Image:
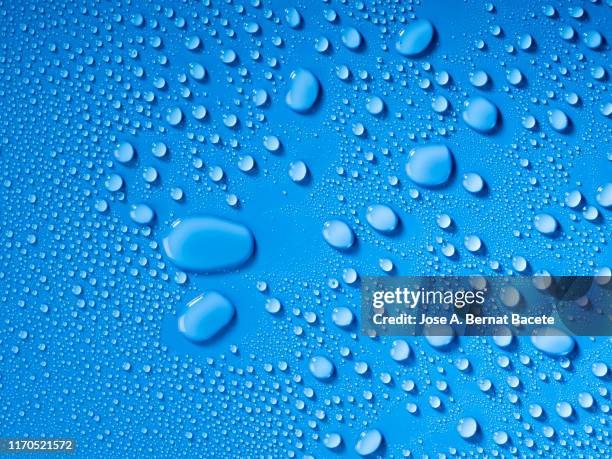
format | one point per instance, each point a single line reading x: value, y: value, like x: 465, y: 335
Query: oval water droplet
x: 382, y: 218
x: 430, y: 165
x: 207, y: 243
x: 206, y: 315
x: 552, y: 341
x: 303, y: 90
x: 338, y: 234
x: 545, y: 223
x: 415, y: 38
x: 480, y: 114
x: 321, y: 367
x: 369, y: 441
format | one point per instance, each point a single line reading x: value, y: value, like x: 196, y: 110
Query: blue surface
x: 89, y: 343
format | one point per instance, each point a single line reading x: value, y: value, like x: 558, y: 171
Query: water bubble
x: 124, y: 152
x: 174, y: 116
x: 293, y: 18
x: 472, y: 243
x: 439, y: 104
x: 473, y: 182
x: 321, y: 44
x: 514, y: 77
x: 585, y: 400
x: 114, y: 183
x: 415, y: 38
x: 545, y: 223
x: 342, y: 317
x: 382, y: 218
x: 197, y: 71
x: 159, y: 149
x: 479, y: 78
x: 351, y: 38
x: 526, y: 42
x: 386, y: 265
x: 439, y: 336
x: 321, y: 367
x: 369, y: 441
x: 142, y: 214
x: 207, y: 243
x: 558, y: 120
x: 303, y: 90
x: 375, y: 105
x: 192, y: 43
x: 349, y: 275
x: 593, y: 39
x: 500, y: 437
x: 604, y: 195
x: 271, y: 143
x: 552, y: 341
x: 444, y: 221
x: 519, y: 263
x: 430, y: 165
x: 332, y: 440
x: 467, y: 427
x: 400, y: 350
x: 573, y: 199
x: 206, y: 315
x: 564, y: 409
x: 298, y: 171
x: 260, y: 97
x: 338, y: 234
x: 599, y: 369
x: 480, y: 114
x: 273, y: 305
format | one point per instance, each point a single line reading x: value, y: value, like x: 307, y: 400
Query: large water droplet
x: 545, y: 223
x: 124, y: 152
x: 552, y: 341
x: 338, y: 234
x: 430, y: 165
x: 321, y: 367
x: 369, y: 442
x: 467, y: 427
x: 205, y: 316
x: 382, y: 218
x: 303, y: 90
x: 480, y: 114
x: 415, y: 38
x: 604, y: 195
x: 207, y: 243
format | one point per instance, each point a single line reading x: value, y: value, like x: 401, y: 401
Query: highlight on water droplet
x: 206, y: 315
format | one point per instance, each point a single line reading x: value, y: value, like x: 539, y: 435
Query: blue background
x: 89, y: 344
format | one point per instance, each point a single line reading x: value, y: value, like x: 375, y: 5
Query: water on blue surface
x: 301, y: 147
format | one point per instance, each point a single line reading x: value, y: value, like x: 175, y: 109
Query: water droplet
x: 142, y: 214
x: 473, y: 182
x: 382, y: 218
x: 545, y: 223
x: 430, y: 165
x: 480, y: 114
x: 552, y: 341
x: 303, y: 90
x: 332, y: 440
x: 298, y: 171
x: 342, y: 316
x: 400, y: 350
x: 124, y: 152
x: 206, y: 315
x: 338, y: 234
x: 321, y: 367
x: 351, y: 38
x: 558, y: 120
x: 415, y: 38
x: 467, y: 427
x: 604, y: 195
x: 206, y: 243
x: 369, y: 441
x: 375, y: 105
